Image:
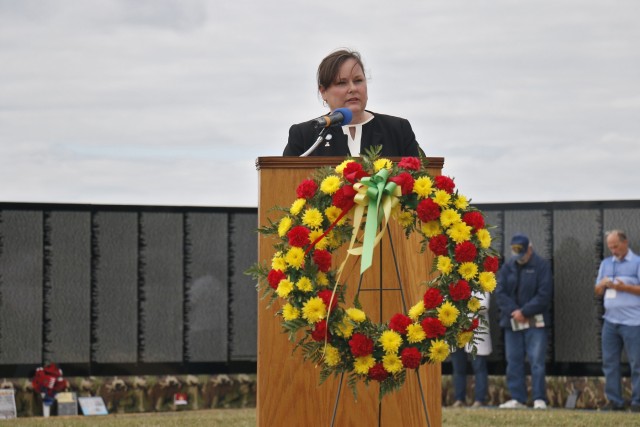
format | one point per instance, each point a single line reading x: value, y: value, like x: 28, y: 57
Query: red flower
x: 460, y: 290
x: 360, y: 345
x: 465, y: 252
x: 299, y: 236
x: 433, y: 327
x: 490, y: 264
x: 411, y: 357
x: 353, y: 172
x: 405, y: 181
x: 48, y: 381
x: 322, y: 259
x: 474, y: 219
x: 474, y: 324
x: 307, y: 189
x: 325, y: 295
x: 274, y: 277
x: 438, y: 244
x: 444, y: 183
x: 378, y: 373
x: 320, y: 332
x: 432, y: 298
x: 428, y: 210
x: 399, y: 323
x: 343, y: 198
x: 411, y: 163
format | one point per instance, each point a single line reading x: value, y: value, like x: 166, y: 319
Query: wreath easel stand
x: 381, y: 290
x: 288, y: 388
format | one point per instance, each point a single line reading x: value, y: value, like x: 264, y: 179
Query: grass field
x: 247, y: 418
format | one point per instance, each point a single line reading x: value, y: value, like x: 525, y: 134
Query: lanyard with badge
x: 611, y: 293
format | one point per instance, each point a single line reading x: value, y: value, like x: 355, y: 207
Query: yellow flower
x: 312, y: 218
x: 332, y: 213
x: 314, y: 310
x: 444, y: 264
x: 322, y: 243
x: 431, y: 228
x: 278, y: 262
x: 415, y: 333
x: 449, y: 217
x: 404, y: 218
x: 322, y: 279
x: 330, y: 184
x: 459, y: 232
x: 341, y: 166
x: 361, y: 365
x: 284, y: 288
x: 422, y: 187
x: 484, y: 238
x: 487, y: 281
x: 463, y: 338
x: 295, y: 257
x: 296, y: 207
x: 382, y: 163
x: 334, y: 240
x: 331, y: 355
x: 356, y: 315
x: 304, y: 284
x: 390, y: 341
x: 461, y: 202
x: 442, y: 198
x: 416, y: 311
x: 392, y: 363
x: 438, y: 351
x: 284, y: 226
x: 474, y: 304
x: 345, y: 328
x: 289, y: 312
x: 448, y: 313
x: 468, y: 270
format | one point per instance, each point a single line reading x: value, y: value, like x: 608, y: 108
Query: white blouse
x: 354, y: 141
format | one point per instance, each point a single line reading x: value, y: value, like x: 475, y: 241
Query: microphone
x: 340, y: 117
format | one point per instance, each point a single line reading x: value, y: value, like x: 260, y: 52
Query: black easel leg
x: 335, y: 406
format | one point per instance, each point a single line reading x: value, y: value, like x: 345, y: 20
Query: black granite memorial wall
x: 128, y: 290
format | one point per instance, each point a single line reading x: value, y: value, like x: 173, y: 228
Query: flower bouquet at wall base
x: 48, y: 382
x: 352, y: 204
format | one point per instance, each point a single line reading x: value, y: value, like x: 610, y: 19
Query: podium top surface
x: 274, y: 162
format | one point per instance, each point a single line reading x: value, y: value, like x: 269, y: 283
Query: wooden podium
x: 289, y: 393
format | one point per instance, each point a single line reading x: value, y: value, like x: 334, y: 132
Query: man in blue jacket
x: 523, y: 295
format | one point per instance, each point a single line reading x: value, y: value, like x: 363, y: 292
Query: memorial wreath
x: 352, y: 203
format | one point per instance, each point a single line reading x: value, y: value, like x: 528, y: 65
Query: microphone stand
x: 321, y: 137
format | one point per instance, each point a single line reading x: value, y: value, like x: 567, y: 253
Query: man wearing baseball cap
x: 523, y: 295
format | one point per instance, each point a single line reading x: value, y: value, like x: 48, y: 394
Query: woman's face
x: 348, y: 90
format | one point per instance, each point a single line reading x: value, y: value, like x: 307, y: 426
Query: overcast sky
x: 170, y: 102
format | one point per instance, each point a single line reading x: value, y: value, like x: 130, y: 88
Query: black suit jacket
x: 393, y: 133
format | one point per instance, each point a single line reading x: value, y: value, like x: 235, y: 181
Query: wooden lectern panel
x: 289, y: 392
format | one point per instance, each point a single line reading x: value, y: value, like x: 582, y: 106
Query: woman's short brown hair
x: 330, y: 66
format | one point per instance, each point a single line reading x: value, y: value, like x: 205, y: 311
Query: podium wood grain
x: 289, y: 392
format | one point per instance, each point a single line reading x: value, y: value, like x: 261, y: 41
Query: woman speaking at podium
x: 342, y: 83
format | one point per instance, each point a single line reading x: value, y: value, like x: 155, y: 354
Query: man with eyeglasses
x: 523, y: 295
x: 619, y: 282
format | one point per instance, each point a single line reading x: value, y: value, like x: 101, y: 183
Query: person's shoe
x: 609, y: 406
x: 539, y: 404
x: 512, y: 404
x: 458, y: 404
x: 477, y: 404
